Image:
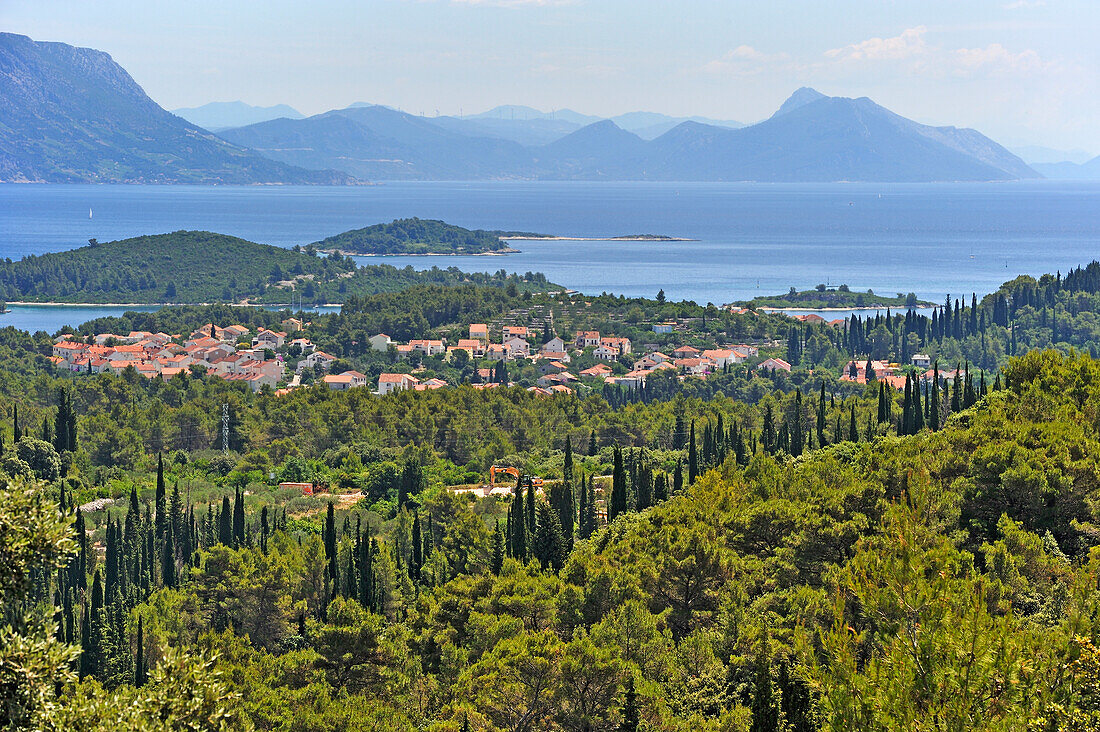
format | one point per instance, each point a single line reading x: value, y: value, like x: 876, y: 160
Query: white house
x: 554, y: 345
x: 324, y: 360
x: 389, y: 383
x: 380, y: 342
x: 517, y: 347
x: 606, y: 353
x: 921, y: 360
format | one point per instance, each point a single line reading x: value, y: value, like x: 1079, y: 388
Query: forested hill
x: 415, y: 236
x: 203, y: 267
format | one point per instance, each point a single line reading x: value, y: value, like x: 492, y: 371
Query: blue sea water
x: 749, y: 239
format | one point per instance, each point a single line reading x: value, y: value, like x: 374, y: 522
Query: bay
x: 748, y: 239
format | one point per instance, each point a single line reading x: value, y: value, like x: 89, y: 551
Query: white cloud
x: 996, y: 59
x: 746, y: 60
x: 909, y: 44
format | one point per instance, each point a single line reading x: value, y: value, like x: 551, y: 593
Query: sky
x: 1025, y: 72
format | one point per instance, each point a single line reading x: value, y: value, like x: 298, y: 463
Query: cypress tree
x: 530, y: 512
x: 821, y: 441
x: 934, y: 399
x: 329, y: 538
x: 238, y: 518
x: 263, y: 529
x: 678, y: 477
x: 629, y: 713
x: 141, y: 671
x: 906, y: 423
x: 225, y: 523
x: 549, y: 544
x: 417, y: 559
x: 765, y: 711
x: 518, y: 525
x: 617, y: 504
x: 918, y: 410
x: 693, y: 458
x: 497, y: 561
x: 592, y: 449
x: 853, y: 432
x: 112, y: 560
x: 660, y: 488
x: 798, y: 440
x: 366, y: 573
x: 161, y: 503
x: 645, y: 487
x: 17, y: 432
x: 168, y: 562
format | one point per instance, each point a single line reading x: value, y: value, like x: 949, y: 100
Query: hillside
x: 1089, y: 170
x: 73, y: 115
x: 414, y: 236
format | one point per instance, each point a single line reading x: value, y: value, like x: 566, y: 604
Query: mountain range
x: 217, y: 116
x: 73, y: 115
x: 812, y: 137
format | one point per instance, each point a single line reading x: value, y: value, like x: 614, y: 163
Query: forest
x: 942, y: 579
x: 754, y: 551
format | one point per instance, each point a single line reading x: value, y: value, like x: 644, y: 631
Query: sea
x: 745, y: 239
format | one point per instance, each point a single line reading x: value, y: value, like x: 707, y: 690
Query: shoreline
x: 496, y: 253
x: 772, y: 309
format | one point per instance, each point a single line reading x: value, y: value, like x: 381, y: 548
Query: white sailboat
x: 89, y: 213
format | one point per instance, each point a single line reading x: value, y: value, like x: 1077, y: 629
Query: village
x: 261, y: 359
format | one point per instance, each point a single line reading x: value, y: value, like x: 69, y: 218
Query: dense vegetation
x: 747, y: 552
x: 199, y: 266
x: 940, y: 580
x: 822, y: 297
x: 415, y: 236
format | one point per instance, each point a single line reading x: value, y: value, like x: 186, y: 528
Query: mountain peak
x: 801, y: 97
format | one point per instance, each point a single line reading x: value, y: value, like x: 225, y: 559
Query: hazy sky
x: 1022, y: 71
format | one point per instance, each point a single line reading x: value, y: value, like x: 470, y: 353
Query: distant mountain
x: 73, y: 115
x: 651, y: 125
x: 811, y: 138
x: 1071, y: 171
x: 600, y: 150
x: 831, y: 139
x: 217, y: 116
x: 1038, y: 155
x: 379, y: 142
x: 530, y: 132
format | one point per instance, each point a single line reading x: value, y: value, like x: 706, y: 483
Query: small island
x: 419, y: 236
x: 838, y: 298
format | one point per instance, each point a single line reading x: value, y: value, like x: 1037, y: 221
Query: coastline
x: 645, y: 239
x: 279, y: 306
x: 772, y: 309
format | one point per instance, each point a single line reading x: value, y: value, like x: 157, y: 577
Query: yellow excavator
x: 513, y: 472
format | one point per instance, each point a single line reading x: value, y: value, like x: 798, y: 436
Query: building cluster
x: 227, y: 352
x: 554, y: 356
